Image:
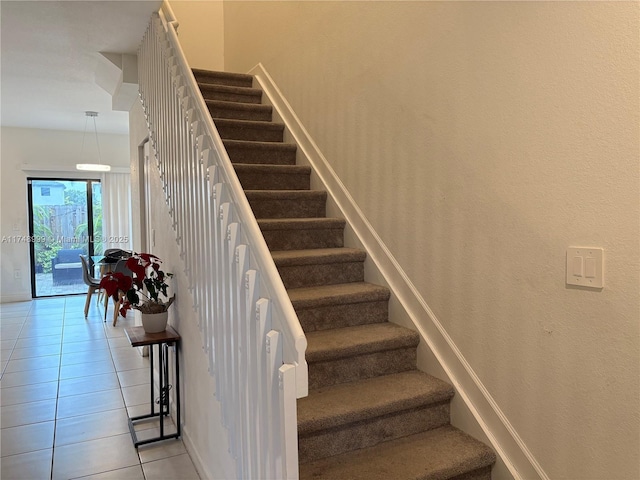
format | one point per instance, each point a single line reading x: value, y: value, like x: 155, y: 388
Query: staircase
x: 370, y: 413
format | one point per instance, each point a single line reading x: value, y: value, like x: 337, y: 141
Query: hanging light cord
x: 84, y: 135
x: 98, y: 167
x: 95, y: 129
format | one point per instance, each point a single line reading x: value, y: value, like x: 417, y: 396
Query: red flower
x: 142, y: 288
x: 114, y: 282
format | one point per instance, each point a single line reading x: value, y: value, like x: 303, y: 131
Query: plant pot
x: 155, y: 322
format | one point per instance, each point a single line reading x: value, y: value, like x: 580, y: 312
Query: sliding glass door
x: 65, y: 221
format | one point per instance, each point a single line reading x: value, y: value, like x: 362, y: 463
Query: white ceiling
x: 50, y: 54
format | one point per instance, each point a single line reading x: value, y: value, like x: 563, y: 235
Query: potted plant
x: 144, y: 290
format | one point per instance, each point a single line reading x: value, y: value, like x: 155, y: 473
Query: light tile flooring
x: 68, y: 386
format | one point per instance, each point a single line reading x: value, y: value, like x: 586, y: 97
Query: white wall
x: 57, y: 152
x: 481, y: 139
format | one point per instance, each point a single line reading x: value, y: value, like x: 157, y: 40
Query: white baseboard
x: 20, y: 297
x: 515, y: 459
x: 200, y: 465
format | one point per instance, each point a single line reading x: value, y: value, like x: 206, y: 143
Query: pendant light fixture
x: 92, y: 167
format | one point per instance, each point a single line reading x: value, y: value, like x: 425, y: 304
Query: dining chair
x: 109, y: 258
x: 122, y: 268
x: 93, y: 285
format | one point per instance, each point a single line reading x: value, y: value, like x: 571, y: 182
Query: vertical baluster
x: 236, y: 354
x: 163, y: 127
x: 175, y: 161
x: 227, y: 332
x: 288, y: 418
x: 207, y: 269
x: 169, y: 140
x: 263, y: 320
x: 246, y: 388
x: 274, y: 361
x: 182, y: 182
x: 219, y: 285
x: 254, y: 378
x: 160, y: 120
x: 212, y: 277
x: 194, y: 225
x: 154, y: 85
x: 201, y: 234
x: 189, y: 187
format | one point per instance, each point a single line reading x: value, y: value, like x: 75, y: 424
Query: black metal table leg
x: 163, y: 340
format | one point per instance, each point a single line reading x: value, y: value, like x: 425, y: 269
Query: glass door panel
x: 62, y: 228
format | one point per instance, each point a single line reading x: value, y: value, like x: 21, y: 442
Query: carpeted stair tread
x: 222, y: 78
x: 287, y: 203
x: 302, y: 233
x: 318, y: 255
x: 438, y: 454
x: 259, y: 131
x: 220, y: 109
x: 338, y: 294
x: 347, y: 403
x: 319, y: 266
x: 337, y: 306
x: 212, y: 91
x: 345, y: 342
x: 273, y: 177
x: 300, y: 223
x: 253, y: 152
x: 268, y: 169
x: 286, y: 194
x: 363, y: 413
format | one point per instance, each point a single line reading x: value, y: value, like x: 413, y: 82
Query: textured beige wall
x: 201, y: 32
x: 481, y: 140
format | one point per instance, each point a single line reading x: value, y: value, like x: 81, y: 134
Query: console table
x: 139, y: 338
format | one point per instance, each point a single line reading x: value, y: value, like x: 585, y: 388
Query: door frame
x: 91, y: 234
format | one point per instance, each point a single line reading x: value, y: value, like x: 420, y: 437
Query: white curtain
x: 116, y: 211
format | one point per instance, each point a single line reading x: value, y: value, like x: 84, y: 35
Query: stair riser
x: 262, y: 156
x: 338, y: 316
x: 250, y: 133
x: 299, y: 276
x: 350, y: 369
x: 274, y: 181
x: 297, y: 239
x: 371, y: 432
x: 256, y: 114
x: 288, y: 208
x: 210, y: 94
x: 219, y: 78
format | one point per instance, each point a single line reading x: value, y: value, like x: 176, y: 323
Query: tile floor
x: 68, y: 386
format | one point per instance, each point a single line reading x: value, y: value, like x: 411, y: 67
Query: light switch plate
x: 585, y: 267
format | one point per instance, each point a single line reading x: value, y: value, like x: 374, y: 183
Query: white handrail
x: 251, y: 335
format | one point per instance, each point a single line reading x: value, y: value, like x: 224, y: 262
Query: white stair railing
x: 251, y: 335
